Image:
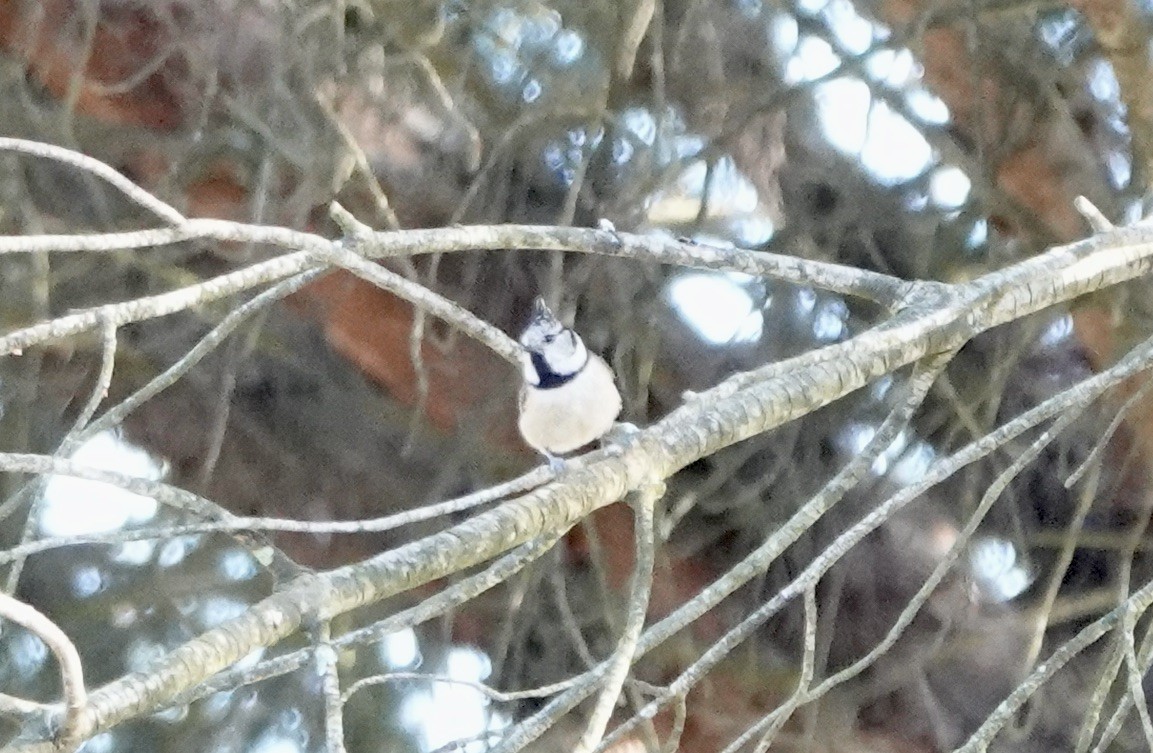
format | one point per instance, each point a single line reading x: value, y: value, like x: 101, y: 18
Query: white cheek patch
x: 570, y: 362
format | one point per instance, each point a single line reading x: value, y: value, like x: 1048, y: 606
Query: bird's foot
x: 555, y: 463
x: 619, y: 437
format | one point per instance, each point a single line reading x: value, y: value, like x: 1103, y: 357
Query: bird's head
x: 554, y: 350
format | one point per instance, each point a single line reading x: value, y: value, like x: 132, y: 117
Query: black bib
x: 549, y: 379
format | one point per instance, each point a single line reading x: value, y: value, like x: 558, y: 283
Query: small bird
x: 569, y: 397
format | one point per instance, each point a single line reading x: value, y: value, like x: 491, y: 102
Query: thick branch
x: 938, y: 318
x: 929, y: 319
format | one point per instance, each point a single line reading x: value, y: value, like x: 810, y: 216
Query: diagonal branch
x: 928, y: 320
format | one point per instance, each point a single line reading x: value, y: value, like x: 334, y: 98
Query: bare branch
x: 644, y: 531
x: 221, y: 521
x: 428, y: 301
x: 1096, y: 219
x: 782, y: 714
x: 459, y: 593
x: 1134, y: 676
x: 1007, y: 709
x: 71, y: 668
x: 95, y: 167
x: 488, y: 691
x: 1138, y: 360
x: 929, y: 322
x: 327, y: 664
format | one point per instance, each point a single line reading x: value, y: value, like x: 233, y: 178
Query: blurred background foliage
x: 932, y: 140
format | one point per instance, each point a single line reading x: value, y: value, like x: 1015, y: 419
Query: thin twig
x: 220, y: 521
x: 33, y: 491
x: 101, y: 170
x: 680, y: 715
x: 1125, y: 703
x: 99, y: 388
x: 1060, y: 567
x: 1136, y: 361
x: 943, y: 567
x: 1094, y: 216
x: 644, y: 533
x: 1134, y: 675
x: 458, y: 593
x: 786, y: 709
x: 935, y: 318
x: 979, y: 741
x: 500, y: 696
x: 1095, y: 704
x: 71, y: 668
x: 760, y: 559
x: 328, y: 666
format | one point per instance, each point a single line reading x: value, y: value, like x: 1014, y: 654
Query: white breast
x: 566, y: 418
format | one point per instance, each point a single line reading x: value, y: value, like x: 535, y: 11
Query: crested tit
x: 569, y: 397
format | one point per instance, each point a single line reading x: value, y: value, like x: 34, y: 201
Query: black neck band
x: 549, y: 379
